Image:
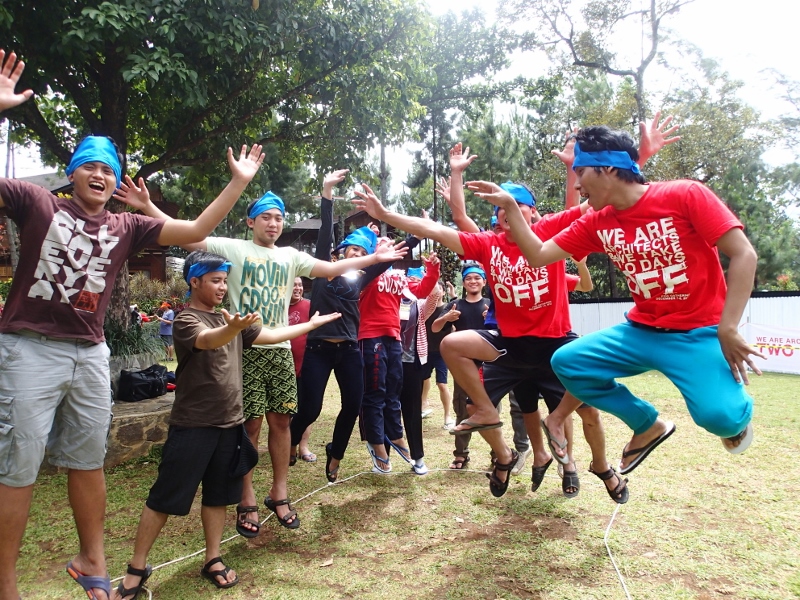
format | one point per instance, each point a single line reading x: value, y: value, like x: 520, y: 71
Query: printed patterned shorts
x: 269, y: 382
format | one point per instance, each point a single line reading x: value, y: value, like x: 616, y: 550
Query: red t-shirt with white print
x: 664, y: 245
x: 380, y: 301
x: 528, y: 301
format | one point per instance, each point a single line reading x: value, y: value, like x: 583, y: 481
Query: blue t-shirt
x: 166, y: 328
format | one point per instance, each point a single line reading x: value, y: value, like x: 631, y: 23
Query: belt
x: 655, y: 329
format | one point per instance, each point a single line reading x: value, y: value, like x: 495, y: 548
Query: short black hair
x: 601, y: 137
x: 214, y: 261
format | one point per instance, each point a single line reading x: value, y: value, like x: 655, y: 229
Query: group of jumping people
x: 368, y: 327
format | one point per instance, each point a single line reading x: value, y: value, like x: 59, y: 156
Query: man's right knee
x: 563, y: 361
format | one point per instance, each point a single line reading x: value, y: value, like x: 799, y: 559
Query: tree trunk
x: 612, y: 278
x: 384, y: 184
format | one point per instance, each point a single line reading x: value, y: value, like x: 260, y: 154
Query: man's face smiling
x: 473, y: 283
x: 94, y: 183
x: 210, y: 289
x: 297, y: 290
x: 267, y: 227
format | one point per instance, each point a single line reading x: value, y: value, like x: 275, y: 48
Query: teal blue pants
x: 693, y: 361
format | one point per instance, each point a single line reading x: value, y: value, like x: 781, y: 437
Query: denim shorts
x: 55, y: 394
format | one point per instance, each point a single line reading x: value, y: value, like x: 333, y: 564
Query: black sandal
x: 496, y: 486
x: 459, y: 463
x: 620, y: 493
x: 569, y: 479
x: 213, y: 575
x: 538, y: 473
x: 331, y: 474
x: 241, y: 522
x: 290, y: 519
x: 137, y: 589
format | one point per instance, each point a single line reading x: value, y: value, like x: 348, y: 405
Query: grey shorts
x: 54, y: 394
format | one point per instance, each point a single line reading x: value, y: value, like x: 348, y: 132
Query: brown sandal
x: 620, y: 493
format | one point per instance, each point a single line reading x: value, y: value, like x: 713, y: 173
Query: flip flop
x: 554, y: 443
x: 376, y: 468
x: 309, y: 458
x: 404, y: 453
x: 746, y: 437
x: 537, y: 475
x: 90, y: 582
x: 645, y: 450
x: 212, y: 576
x: 474, y: 427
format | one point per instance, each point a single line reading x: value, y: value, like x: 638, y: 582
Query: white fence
x: 770, y: 323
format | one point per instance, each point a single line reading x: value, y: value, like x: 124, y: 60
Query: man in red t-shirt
x: 54, y: 356
x: 662, y: 236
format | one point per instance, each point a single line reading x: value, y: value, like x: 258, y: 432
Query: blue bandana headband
x: 520, y: 193
x: 200, y: 269
x: 494, y: 220
x: 473, y: 269
x: 266, y: 202
x: 618, y: 159
x: 363, y: 237
x: 415, y: 272
x: 96, y: 148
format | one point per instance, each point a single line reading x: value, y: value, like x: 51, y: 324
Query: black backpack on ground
x: 141, y: 385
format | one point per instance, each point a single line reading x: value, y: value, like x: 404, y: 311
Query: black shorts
x: 191, y: 456
x: 524, y: 366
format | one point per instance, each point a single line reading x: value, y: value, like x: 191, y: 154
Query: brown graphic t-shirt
x: 209, y: 382
x: 68, y: 261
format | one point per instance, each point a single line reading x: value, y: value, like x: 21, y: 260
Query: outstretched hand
x: 567, y: 155
x: 737, y: 353
x: 331, y: 180
x: 431, y: 260
x: 248, y: 164
x: 238, y: 321
x: 443, y: 188
x: 655, y: 136
x: 368, y: 201
x: 491, y: 192
x: 459, y: 160
x: 10, y: 72
x: 317, y: 319
x: 387, y: 251
x: 135, y: 196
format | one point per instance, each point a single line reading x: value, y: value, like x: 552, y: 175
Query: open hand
x: 317, y: 319
x: 443, y: 188
x: 10, y: 72
x: 135, y: 196
x: 248, y: 164
x: 368, y: 201
x: 238, y: 321
x: 459, y: 160
x: 388, y: 252
x: 655, y: 136
x: 331, y: 180
x: 431, y: 260
x: 491, y: 192
x: 737, y: 353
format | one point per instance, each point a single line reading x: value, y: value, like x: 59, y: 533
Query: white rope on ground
x: 410, y: 472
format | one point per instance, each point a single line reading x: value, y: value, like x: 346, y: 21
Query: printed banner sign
x: 780, y: 345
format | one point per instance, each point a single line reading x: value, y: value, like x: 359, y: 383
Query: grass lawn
x: 700, y: 523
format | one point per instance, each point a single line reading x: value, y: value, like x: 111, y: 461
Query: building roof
x: 53, y: 182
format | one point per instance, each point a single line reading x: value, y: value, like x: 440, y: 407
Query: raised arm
x: 654, y: 137
x: 572, y: 196
x: 209, y: 339
x: 536, y: 252
x: 585, y: 284
x: 741, y: 273
x: 385, y: 252
x: 421, y: 228
x: 459, y: 161
x: 10, y: 72
x: 192, y: 234
x: 325, y: 236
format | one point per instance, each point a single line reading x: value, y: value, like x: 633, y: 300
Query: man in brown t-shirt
x: 206, y: 421
x: 54, y: 376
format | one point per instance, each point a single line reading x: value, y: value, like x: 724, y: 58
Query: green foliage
x: 5, y: 287
x: 148, y: 294
x: 136, y: 339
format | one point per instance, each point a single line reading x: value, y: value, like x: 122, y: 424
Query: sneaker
x: 427, y: 413
x: 419, y: 467
x: 523, y: 456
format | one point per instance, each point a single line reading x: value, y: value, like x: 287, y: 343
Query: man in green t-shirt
x: 260, y: 281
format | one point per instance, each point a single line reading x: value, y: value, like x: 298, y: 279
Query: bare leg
x: 596, y: 438
x: 213, y: 518
x: 447, y: 400
x: 640, y: 440
x: 253, y: 428
x: 426, y: 388
x: 556, y: 420
x: 279, y: 441
x: 15, y: 503
x: 304, y: 442
x: 87, y: 497
x: 150, y: 525
x: 540, y: 453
